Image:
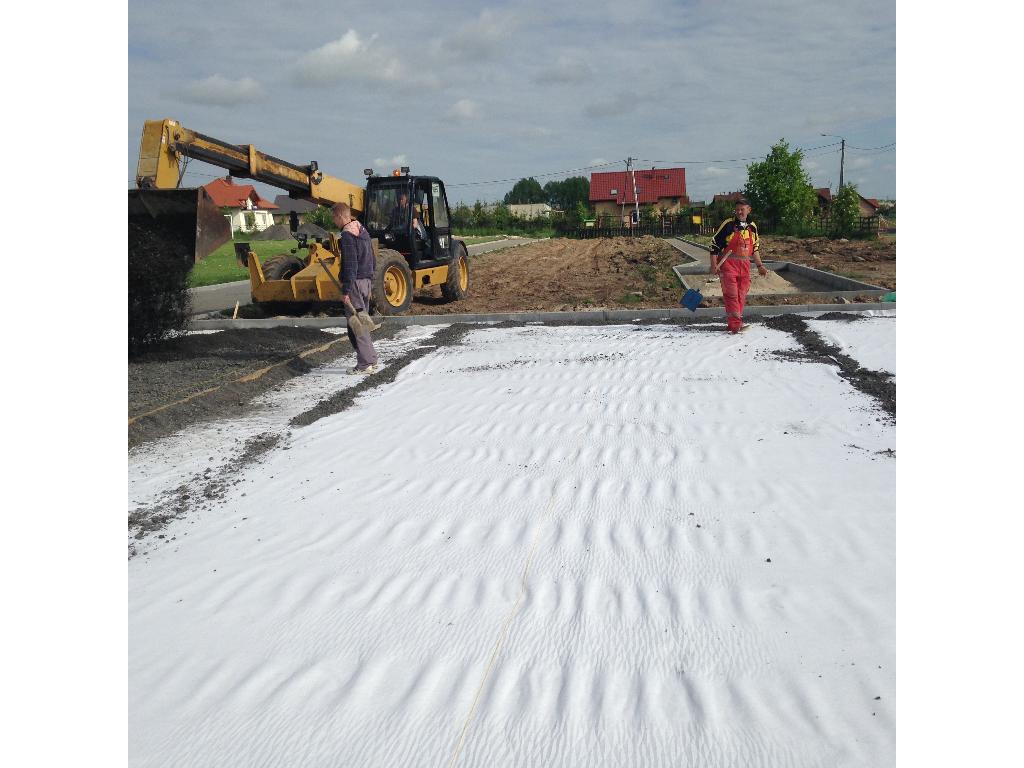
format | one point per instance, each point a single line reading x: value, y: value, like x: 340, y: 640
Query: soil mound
x: 276, y: 232
x: 311, y: 230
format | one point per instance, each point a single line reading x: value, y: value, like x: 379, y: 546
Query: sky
x: 482, y: 95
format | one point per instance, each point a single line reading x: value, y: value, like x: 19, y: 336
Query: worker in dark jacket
x: 732, y: 248
x: 357, y: 268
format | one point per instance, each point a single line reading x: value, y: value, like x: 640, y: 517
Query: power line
x: 807, y: 153
x: 891, y: 145
x: 734, y: 160
x: 533, y: 176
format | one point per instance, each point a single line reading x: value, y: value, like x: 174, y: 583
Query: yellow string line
x: 243, y: 380
x: 501, y: 636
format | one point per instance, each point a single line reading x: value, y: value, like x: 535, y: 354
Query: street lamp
x: 842, y: 156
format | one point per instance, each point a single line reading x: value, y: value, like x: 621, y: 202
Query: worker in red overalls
x: 733, y: 246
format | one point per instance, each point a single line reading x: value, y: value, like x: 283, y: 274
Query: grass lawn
x: 221, y: 266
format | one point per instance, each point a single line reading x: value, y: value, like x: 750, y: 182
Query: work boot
x: 744, y: 327
x: 367, y: 370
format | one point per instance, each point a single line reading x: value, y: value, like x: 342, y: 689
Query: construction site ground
x: 618, y: 273
x: 197, y: 377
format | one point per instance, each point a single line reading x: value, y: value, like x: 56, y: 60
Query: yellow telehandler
x: 407, y: 217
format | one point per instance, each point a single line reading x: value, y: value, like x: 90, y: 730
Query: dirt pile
x: 871, y: 261
x: 562, y: 274
x: 276, y: 232
x: 312, y: 231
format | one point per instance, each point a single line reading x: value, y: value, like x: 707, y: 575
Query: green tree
x: 525, y: 191
x: 565, y: 194
x: 649, y: 215
x: 780, y: 189
x: 576, y: 215
x: 502, y: 217
x: 718, y: 212
x: 462, y: 217
x: 845, y: 213
x: 321, y: 216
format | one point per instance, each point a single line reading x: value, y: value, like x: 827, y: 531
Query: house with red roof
x: 236, y: 200
x: 665, y: 188
x: 728, y: 197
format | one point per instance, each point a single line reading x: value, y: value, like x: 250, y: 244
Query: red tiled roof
x: 226, y: 194
x: 652, y: 185
x: 732, y: 197
x: 873, y: 202
x: 824, y: 193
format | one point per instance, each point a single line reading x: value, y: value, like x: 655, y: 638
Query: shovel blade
x: 692, y: 299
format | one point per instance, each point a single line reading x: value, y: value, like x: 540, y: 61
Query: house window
x: 613, y: 192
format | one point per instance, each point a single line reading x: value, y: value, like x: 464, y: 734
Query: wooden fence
x: 671, y: 227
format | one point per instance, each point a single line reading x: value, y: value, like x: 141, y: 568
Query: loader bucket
x: 182, y: 222
x: 168, y: 229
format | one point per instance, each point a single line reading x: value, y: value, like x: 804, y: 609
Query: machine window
x: 440, y: 210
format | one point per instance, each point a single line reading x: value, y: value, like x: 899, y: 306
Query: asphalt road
x: 211, y: 298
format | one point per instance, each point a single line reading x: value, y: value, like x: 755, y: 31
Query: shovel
x: 359, y: 321
x: 692, y: 298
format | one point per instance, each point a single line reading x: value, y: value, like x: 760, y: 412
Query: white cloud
x: 354, y: 59
x: 481, y: 38
x: 713, y: 171
x: 219, y: 91
x: 597, y: 161
x: 389, y: 164
x: 464, y: 111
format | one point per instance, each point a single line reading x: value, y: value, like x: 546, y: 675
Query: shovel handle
x: 333, y: 278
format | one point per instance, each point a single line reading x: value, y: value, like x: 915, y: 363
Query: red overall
x: 735, y: 274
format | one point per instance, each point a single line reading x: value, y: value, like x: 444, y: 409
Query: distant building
x: 287, y: 205
x: 729, y: 197
x: 530, y: 210
x: 241, y: 199
x: 664, y: 188
x: 868, y: 205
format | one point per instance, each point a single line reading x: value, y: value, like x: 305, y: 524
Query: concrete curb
x: 596, y: 317
x: 504, y: 245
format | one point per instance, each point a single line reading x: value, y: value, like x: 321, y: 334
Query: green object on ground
x: 891, y: 296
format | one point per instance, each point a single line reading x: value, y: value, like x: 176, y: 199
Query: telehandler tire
x: 283, y: 266
x: 457, y: 284
x: 392, y: 284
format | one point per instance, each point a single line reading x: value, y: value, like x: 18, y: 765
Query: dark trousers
x: 363, y: 345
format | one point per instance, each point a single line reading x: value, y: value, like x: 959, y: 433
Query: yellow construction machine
x: 407, y: 218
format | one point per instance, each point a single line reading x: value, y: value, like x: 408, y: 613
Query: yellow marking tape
x: 501, y: 635
x: 243, y: 380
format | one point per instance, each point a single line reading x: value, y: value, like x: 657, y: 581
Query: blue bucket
x: 692, y: 299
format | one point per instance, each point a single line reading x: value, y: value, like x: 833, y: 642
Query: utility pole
x: 636, y: 201
x: 842, y: 156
